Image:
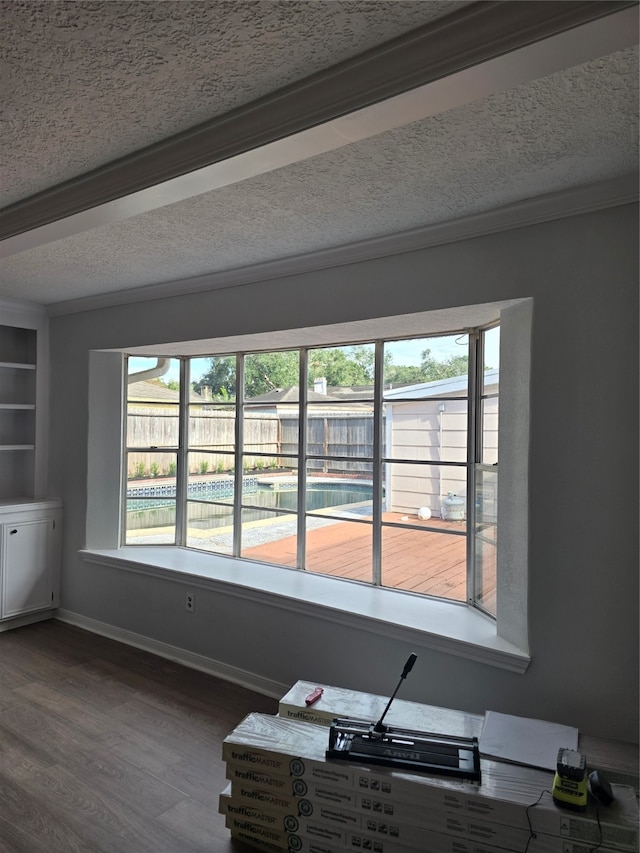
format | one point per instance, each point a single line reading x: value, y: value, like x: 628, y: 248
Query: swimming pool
x: 151, y: 506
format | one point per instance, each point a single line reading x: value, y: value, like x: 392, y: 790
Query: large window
x: 374, y: 462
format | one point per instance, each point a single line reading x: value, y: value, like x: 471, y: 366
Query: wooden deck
x: 420, y: 560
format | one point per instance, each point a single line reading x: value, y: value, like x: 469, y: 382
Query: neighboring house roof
x: 290, y: 395
x: 361, y: 392
x: 284, y: 396
x: 452, y: 385
x: 153, y: 392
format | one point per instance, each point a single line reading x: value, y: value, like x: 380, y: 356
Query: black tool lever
x: 379, y: 728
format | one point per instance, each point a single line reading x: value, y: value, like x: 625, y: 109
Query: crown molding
x: 571, y: 202
x: 14, y: 308
x: 463, y: 39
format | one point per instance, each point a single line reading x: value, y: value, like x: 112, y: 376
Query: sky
x: 407, y: 352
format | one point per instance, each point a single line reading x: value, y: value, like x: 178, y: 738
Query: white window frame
x: 183, y: 449
x: 447, y: 626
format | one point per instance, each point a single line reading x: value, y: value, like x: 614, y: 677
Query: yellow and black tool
x: 570, y: 781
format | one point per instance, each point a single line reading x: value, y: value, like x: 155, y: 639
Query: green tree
x: 403, y: 374
x: 267, y: 371
x: 342, y: 365
x: 221, y: 378
x: 432, y: 369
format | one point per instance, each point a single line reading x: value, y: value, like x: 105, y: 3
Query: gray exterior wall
x: 583, y: 275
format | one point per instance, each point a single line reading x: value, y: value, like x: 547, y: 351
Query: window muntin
x: 238, y: 438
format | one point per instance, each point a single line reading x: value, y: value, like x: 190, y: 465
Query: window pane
x: 210, y: 527
x: 486, y: 499
x: 270, y: 537
x: 339, y: 432
x: 426, y: 430
x: 431, y: 492
x: 272, y: 377
x: 274, y: 487
x: 150, y: 521
x: 425, y: 561
x: 489, y: 427
x: 152, y: 402
x: 152, y: 424
x: 490, y: 396
x: 339, y: 496
x: 151, y: 474
x: 271, y: 429
x: 342, y: 373
x: 426, y: 367
x: 209, y: 483
x: 357, y: 468
x: 151, y: 498
x: 486, y: 553
x: 340, y: 548
x: 486, y: 536
x: 214, y: 378
x: 491, y: 344
x: 212, y: 427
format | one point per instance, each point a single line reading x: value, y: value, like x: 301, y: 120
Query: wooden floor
x: 420, y: 560
x: 108, y: 749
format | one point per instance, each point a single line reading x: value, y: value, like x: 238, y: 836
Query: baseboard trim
x: 27, y: 619
x: 249, y: 680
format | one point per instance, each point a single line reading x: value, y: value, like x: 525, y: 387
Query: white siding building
x: 428, y: 422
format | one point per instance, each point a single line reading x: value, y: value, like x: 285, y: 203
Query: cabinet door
x: 26, y: 567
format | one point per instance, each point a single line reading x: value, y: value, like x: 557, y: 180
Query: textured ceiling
x: 87, y: 82
x: 84, y: 83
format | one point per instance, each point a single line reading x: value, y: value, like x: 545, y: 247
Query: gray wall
x: 583, y: 598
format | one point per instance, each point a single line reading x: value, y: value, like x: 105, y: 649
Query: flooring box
x: 376, y: 826
x: 410, y: 831
x: 311, y: 836
x: 339, y: 702
x: 247, y: 836
x: 392, y: 793
x: 618, y: 760
x: 317, y: 838
x: 276, y: 747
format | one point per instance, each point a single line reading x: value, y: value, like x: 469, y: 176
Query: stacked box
x: 285, y: 795
x: 289, y: 833
x: 345, y: 804
x: 338, y: 702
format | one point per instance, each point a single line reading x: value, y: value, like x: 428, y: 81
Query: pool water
x: 262, y: 501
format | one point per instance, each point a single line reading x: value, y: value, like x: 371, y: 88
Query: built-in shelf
x: 23, y: 395
x: 16, y: 365
x: 28, y: 406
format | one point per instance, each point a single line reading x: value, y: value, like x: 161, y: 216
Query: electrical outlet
x: 191, y: 602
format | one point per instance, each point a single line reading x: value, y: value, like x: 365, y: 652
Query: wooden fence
x: 270, y: 441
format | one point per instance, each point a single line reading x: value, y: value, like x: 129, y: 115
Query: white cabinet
x: 30, y: 536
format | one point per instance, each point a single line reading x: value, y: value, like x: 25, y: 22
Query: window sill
x: 452, y: 628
